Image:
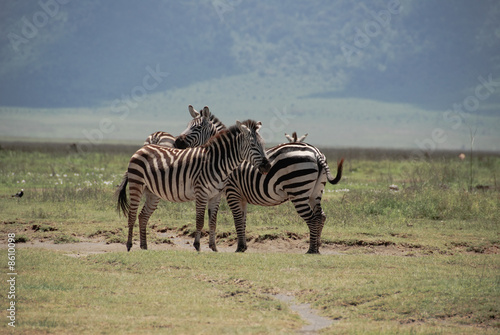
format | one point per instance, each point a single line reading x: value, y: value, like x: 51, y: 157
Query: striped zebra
x: 298, y: 173
x: 199, y: 130
x: 203, y: 126
x: 185, y: 175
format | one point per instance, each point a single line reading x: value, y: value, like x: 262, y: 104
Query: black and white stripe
x: 161, y: 138
x: 203, y: 126
x: 185, y: 175
x: 298, y: 173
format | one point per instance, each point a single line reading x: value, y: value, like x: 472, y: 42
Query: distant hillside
x: 377, y: 73
x: 85, y: 52
x: 330, y: 122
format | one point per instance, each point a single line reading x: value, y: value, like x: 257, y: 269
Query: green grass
x: 185, y: 292
x: 447, y: 283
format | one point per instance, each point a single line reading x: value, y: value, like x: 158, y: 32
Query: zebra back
x: 174, y: 174
x: 292, y: 165
x: 161, y: 138
x: 323, y: 163
x: 321, y: 159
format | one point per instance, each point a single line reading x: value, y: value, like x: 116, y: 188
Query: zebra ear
x: 205, y: 112
x: 302, y: 138
x: 258, y: 126
x: 242, y: 127
x: 193, y: 112
x: 288, y: 137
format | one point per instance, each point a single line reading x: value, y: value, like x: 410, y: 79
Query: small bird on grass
x: 19, y: 194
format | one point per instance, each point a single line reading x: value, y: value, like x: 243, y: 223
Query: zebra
x: 203, y: 126
x: 293, y: 138
x: 298, y: 173
x: 185, y: 175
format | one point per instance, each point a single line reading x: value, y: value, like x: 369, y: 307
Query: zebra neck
x: 217, y: 123
x: 224, y: 154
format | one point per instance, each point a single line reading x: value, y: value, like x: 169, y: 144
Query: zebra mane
x: 233, y: 130
x: 218, y: 123
x: 251, y: 124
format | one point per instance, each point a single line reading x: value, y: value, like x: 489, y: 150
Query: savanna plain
x: 410, y: 246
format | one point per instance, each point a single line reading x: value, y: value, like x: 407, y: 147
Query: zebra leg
x: 319, y: 221
x: 304, y: 210
x: 320, y: 229
x: 241, y: 230
x: 201, y: 204
x: 148, y: 209
x: 319, y: 216
x: 239, y: 208
x: 132, y: 215
x: 314, y: 235
x: 135, y: 190
x: 315, y: 224
x: 213, y: 208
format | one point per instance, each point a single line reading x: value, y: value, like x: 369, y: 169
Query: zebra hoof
x: 312, y: 252
x: 196, y: 245
x: 144, y: 247
x: 241, y: 249
x: 129, y: 246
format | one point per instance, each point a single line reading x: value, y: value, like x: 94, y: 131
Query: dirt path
x: 91, y: 246
x: 315, y: 322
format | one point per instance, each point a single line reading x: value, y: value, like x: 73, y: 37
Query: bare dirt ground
x: 163, y: 238
x: 98, y: 245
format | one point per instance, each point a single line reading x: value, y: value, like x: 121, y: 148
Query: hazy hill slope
x: 378, y: 73
x: 344, y: 122
x: 92, y: 51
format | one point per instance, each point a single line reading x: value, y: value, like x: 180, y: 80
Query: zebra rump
x: 298, y: 173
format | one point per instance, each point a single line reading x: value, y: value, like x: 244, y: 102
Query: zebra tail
x: 123, y: 204
x: 337, y: 178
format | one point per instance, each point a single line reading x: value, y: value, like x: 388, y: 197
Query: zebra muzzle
x: 180, y: 142
x: 264, y: 167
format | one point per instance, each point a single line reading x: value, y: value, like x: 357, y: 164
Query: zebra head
x: 252, y: 149
x: 198, y: 131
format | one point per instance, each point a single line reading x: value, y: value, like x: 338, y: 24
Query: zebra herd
x: 208, y: 160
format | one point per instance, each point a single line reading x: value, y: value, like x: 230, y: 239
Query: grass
x: 185, y: 292
x: 451, y: 286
